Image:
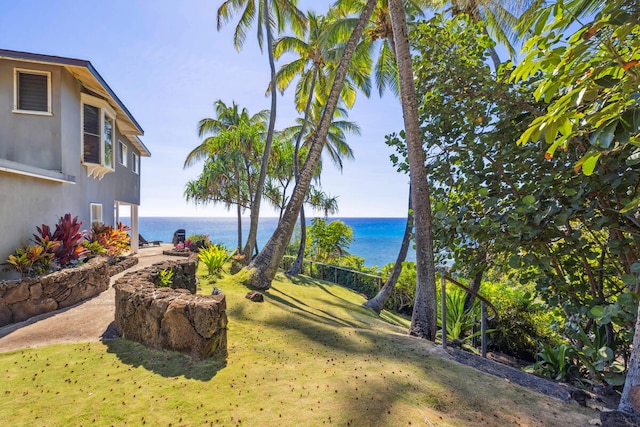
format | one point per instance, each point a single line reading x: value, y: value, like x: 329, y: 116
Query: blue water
x: 377, y: 240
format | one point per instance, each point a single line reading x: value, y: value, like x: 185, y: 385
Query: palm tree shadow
x: 169, y: 364
x: 309, y: 311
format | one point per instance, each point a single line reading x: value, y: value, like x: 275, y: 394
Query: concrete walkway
x: 90, y: 320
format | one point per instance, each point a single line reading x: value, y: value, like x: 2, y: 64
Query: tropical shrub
x: 165, y: 278
x: 115, y: 241
x: 597, y: 359
x: 93, y: 248
x: 401, y: 300
x: 34, y: 260
x: 214, y: 257
x: 557, y: 363
x: 460, y: 321
x: 522, y: 324
x: 68, y: 234
x: 326, y: 242
x: 195, y: 242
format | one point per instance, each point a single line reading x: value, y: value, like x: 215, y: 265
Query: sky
x: 168, y: 64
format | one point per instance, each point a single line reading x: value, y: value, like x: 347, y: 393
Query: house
x: 67, y: 145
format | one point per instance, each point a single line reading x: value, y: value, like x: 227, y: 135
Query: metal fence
x: 367, y: 284
x: 370, y: 284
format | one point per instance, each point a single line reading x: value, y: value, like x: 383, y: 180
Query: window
x: 96, y: 213
x: 98, y: 135
x: 122, y: 154
x: 108, y: 142
x: 136, y: 163
x: 32, y: 92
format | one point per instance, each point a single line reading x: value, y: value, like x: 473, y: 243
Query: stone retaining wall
x: 22, y: 299
x: 171, y: 318
x: 122, y: 264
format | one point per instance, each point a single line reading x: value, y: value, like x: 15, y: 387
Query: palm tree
x: 271, y: 13
x: 317, y: 55
x: 377, y: 303
x: 263, y: 267
x: 227, y: 117
x: 280, y: 174
x: 424, y: 318
x: 336, y: 147
x: 231, y: 146
x: 378, y: 38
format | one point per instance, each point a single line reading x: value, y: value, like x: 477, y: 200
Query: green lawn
x: 310, y: 355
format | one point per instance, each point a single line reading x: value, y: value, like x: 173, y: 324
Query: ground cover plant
x: 309, y: 355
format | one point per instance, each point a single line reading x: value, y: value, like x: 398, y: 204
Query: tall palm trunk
x: 239, y: 212
x: 377, y: 303
x: 255, y: 206
x: 296, y: 267
x: 629, y: 401
x: 263, y: 268
x: 423, y: 320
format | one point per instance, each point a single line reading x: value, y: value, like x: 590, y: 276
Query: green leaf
x: 605, y: 353
x: 631, y: 205
x: 552, y: 149
x: 588, y: 163
x: 607, y: 81
x: 515, y: 261
x: 605, y: 137
x: 596, y: 312
x: 635, y: 267
x: 614, y: 379
x: 629, y: 279
x: 566, y: 127
x: 529, y: 200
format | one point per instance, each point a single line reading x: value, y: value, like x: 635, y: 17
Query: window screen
x: 91, y: 132
x: 33, y: 92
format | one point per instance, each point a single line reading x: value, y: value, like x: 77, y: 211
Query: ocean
x: 377, y: 240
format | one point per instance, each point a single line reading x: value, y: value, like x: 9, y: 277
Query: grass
x: 310, y: 355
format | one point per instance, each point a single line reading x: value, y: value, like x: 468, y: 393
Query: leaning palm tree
x: 263, y: 267
x: 318, y: 52
x: 379, y: 300
x: 272, y: 15
x: 380, y: 42
x: 336, y: 148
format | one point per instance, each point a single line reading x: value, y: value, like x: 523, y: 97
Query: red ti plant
x: 70, y: 237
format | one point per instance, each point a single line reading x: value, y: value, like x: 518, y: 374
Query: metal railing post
x: 443, y: 302
x: 483, y: 328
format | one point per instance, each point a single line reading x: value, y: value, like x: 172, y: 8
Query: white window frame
x: 97, y: 215
x: 136, y: 164
x: 17, y: 71
x: 123, y: 153
x: 106, y: 112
